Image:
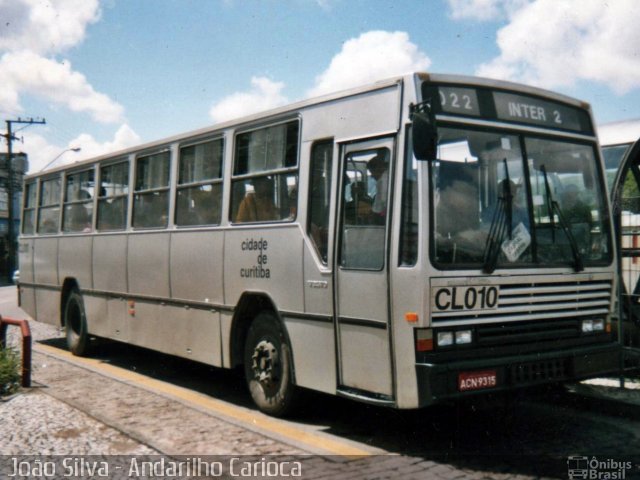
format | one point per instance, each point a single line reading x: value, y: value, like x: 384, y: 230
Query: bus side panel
x: 46, y: 275
x: 313, y: 339
x: 27, y: 294
x: 148, y: 264
x: 196, y: 266
x: 198, y: 334
x: 97, y: 315
x: 268, y: 260
x: 352, y: 117
x: 74, y: 260
x: 313, y: 353
x: 184, y: 332
x: 110, y: 263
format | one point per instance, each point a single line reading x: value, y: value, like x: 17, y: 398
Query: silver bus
x: 621, y: 153
x: 420, y: 239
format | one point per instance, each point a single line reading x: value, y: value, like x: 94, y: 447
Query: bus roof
x: 292, y: 107
x: 617, y: 133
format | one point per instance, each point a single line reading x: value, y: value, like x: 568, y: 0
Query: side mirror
x: 424, y: 134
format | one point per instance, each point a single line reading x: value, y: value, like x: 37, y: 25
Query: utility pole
x: 11, y: 241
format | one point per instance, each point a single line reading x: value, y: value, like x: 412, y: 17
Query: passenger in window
x: 379, y: 168
x: 258, y: 206
x: 359, y: 210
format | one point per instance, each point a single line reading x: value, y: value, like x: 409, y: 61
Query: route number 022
x: 455, y: 100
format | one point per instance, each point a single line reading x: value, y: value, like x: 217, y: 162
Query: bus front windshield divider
x: 501, y: 221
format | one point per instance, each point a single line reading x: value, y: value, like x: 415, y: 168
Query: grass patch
x: 9, y: 371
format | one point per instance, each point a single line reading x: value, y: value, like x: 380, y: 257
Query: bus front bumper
x: 438, y: 382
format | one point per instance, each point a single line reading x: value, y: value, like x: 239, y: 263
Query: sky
x: 110, y: 74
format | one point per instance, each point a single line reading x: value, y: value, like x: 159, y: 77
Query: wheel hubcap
x: 265, y: 363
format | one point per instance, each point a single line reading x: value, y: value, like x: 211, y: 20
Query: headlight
x: 592, y: 325
x: 445, y: 339
x: 463, y: 337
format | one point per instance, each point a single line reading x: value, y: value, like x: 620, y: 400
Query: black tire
x: 75, y: 323
x: 268, y: 367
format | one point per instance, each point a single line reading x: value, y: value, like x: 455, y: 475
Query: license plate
x: 477, y: 380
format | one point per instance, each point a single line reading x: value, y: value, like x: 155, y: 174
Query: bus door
x: 361, y: 270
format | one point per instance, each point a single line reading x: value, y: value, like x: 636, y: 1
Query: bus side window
x: 49, y: 211
x: 29, y: 213
x: 410, y: 214
x: 320, y: 197
x: 78, y: 202
x: 199, y: 195
x: 151, y: 199
x: 113, y: 196
x: 364, y: 211
x: 265, y: 174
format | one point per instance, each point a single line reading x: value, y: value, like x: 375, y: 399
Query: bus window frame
x: 236, y: 178
x: 525, y: 131
x: 30, y: 209
x: 91, y: 201
x: 213, y: 181
x: 100, y: 198
x: 42, y: 181
x: 164, y: 189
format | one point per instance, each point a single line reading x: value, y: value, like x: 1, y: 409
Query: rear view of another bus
x: 621, y: 151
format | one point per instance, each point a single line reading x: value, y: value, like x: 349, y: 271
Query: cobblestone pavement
x: 72, y: 410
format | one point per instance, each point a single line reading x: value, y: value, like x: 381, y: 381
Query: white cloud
x: 264, y: 94
x: 27, y: 72
x: 45, y: 26
x: 555, y: 43
x: 484, y: 10
x: 41, y: 152
x: 372, y: 56
x: 31, y: 32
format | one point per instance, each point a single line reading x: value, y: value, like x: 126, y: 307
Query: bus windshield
x: 507, y: 200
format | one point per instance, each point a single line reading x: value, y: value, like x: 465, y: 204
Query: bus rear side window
x: 49, y: 211
x: 29, y: 214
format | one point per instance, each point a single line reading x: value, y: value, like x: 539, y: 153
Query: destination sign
x: 489, y: 104
x: 531, y: 110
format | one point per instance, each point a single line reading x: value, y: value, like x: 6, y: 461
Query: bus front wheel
x: 75, y: 322
x: 268, y: 366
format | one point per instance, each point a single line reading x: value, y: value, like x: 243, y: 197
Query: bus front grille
x: 542, y: 299
x: 534, y: 372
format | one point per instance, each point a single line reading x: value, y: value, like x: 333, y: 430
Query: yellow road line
x: 256, y: 420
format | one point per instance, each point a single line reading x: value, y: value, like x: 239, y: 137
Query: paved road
x: 177, y: 407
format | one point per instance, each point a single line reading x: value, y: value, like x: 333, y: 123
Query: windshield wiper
x: 554, y: 207
x: 501, y: 222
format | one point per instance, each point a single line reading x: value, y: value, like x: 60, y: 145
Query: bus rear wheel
x: 75, y: 322
x: 268, y: 366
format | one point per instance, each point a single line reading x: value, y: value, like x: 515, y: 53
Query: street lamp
x: 72, y: 149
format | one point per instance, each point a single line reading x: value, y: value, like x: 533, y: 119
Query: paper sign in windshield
x: 514, y: 247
